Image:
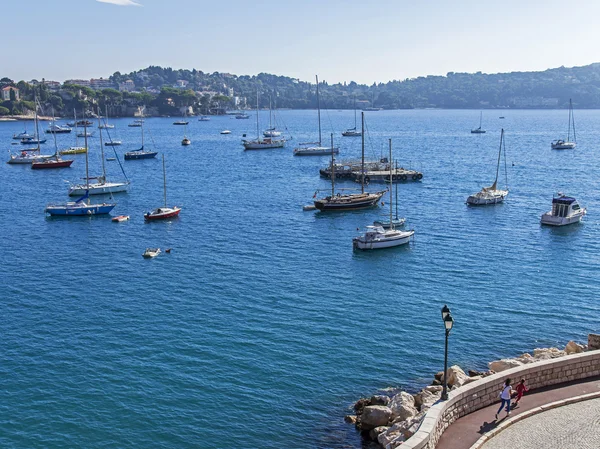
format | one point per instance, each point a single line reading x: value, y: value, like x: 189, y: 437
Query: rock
x: 386, y: 439
x: 412, y: 429
x: 439, y: 376
x: 425, y: 398
x: 436, y: 382
x: 434, y: 388
x: 360, y: 405
x: 456, y: 376
x: 472, y: 379
x: 525, y: 358
x: 374, y: 433
x: 380, y: 400
x: 350, y: 419
x: 504, y: 364
x: 473, y: 373
x: 375, y: 416
x: 402, y: 406
x: 573, y: 348
x: 547, y: 353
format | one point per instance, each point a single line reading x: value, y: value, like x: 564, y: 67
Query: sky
x: 348, y: 40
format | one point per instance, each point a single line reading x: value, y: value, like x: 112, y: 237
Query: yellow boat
x: 74, y: 150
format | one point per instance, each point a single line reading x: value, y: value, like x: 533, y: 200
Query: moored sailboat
x: 262, y: 143
x: 479, y: 130
x: 492, y: 195
x: 31, y: 155
x: 141, y: 153
x: 561, y: 144
x: 352, y: 132
x: 164, y: 212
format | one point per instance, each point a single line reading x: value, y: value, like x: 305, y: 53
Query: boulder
x: 360, y: 405
x: 573, y: 348
x: 504, y: 364
x: 374, y: 416
x: 387, y: 439
x: 525, y: 358
x: 380, y: 400
x: 350, y: 419
x: 473, y: 373
x: 425, y: 398
x: 374, y: 433
x: 547, y: 353
x: 439, y: 376
x: 472, y: 379
x: 456, y: 376
x: 434, y: 388
x: 402, y: 406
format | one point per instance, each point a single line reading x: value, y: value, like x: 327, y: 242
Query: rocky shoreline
x: 391, y: 420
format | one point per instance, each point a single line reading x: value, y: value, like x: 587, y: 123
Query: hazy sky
x: 350, y: 40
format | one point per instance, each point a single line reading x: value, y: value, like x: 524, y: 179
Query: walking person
x: 521, y: 390
x: 505, y: 396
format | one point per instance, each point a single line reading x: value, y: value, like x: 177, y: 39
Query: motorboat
x: 351, y: 132
x: 113, y: 143
x: 151, y: 252
x: 225, y: 131
x: 204, y: 118
x: 120, y: 218
x: 377, y: 238
x: 73, y: 150
x: 491, y: 194
x: 565, y: 211
x: 242, y: 116
x: 57, y: 129
x: 263, y: 144
x: 86, y: 134
x: 180, y: 122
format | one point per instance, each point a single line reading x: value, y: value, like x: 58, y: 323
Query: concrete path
x: 463, y: 433
x: 574, y: 426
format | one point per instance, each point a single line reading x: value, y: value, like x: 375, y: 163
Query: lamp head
x: 448, y: 322
x: 445, y: 312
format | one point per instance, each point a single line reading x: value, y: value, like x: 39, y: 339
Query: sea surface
x: 262, y: 326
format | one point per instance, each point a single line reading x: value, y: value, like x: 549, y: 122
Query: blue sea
x: 262, y: 326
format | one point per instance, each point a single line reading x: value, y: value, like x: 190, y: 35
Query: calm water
x: 262, y: 326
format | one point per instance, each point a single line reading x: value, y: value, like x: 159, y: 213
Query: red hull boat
x: 52, y: 163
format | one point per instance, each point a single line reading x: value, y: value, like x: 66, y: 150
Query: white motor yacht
x: 565, y: 211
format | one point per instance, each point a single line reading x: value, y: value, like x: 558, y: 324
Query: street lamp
x: 448, y: 323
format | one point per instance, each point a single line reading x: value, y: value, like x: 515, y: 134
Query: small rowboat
x: 225, y: 131
x: 120, y: 218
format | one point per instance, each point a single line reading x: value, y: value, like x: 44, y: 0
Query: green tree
x: 4, y: 111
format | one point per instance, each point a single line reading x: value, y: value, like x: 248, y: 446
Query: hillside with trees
x: 167, y: 91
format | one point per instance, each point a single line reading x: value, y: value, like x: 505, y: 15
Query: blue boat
x: 79, y: 207
x: 140, y: 154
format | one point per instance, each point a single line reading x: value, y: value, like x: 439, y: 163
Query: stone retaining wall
x: 484, y: 392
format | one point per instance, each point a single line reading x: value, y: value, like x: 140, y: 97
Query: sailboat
x: 492, y: 195
x: 479, y: 130
x: 141, y: 153
x: 376, y: 237
x: 101, y: 185
x: 56, y: 161
x: 353, y: 201
x: 29, y: 155
x: 567, y: 144
x: 271, y: 131
x: 82, y: 205
x: 264, y: 143
x: 352, y: 132
x: 185, y: 140
x: 76, y: 149
x: 164, y: 212
x: 394, y: 221
x: 316, y: 150
x: 104, y: 124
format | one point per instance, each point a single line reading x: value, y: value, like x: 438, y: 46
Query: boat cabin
x: 564, y: 206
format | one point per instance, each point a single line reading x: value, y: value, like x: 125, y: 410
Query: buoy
x: 168, y: 250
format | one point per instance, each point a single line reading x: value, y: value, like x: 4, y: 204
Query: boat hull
x: 74, y: 150
x: 316, y: 151
x: 99, y: 189
x: 552, y: 220
x: 76, y: 209
x: 135, y: 155
x: 474, y: 200
x: 389, y: 241
x: 396, y: 222
x: 263, y: 145
x: 51, y: 164
x: 348, y: 202
x: 28, y: 160
x: 563, y: 146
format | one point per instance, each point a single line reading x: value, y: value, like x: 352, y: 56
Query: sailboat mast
x: 164, y: 180
x: 396, y: 199
x: 318, y: 108
x: 355, y: 112
x: 87, y: 173
x: 391, y: 184
x: 480, y: 118
x: 573, y: 120
x: 332, y: 171
x: 257, y: 126
x: 142, y: 128
x: 270, y: 113
x: 76, y: 136
x: 499, y: 153
x: 37, y: 129
x: 362, y: 162
x: 54, y: 135
x: 101, y: 146
x: 570, y: 112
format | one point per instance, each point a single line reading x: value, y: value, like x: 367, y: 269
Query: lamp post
x: 448, y: 323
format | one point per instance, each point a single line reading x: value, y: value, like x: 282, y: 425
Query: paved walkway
x: 463, y: 433
x: 574, y: 426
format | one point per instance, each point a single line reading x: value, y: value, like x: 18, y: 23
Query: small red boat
x: 52, y: 163
x: 162, y: 213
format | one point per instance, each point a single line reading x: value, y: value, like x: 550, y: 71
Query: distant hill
x: 166, y: 91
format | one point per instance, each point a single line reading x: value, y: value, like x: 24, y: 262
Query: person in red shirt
x: 521, y: 389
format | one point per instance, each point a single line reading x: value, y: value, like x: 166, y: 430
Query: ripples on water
x: 262, y: 326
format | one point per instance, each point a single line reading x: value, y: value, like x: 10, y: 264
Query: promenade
x: 465, y: 432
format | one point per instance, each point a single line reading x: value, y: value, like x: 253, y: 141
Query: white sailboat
x: 479, y: 130
x: 352, y: 132
x: 271, y: 131
x: 492, y: 195
x: 100, y: 185
x: 76, y: 149
x: 104, y: 124
x: 376, y: 237
x: 262, y: 143
x: 309, y: 149
x: 394, y: 221
x: 561, y: 144
x: 30, y: 155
